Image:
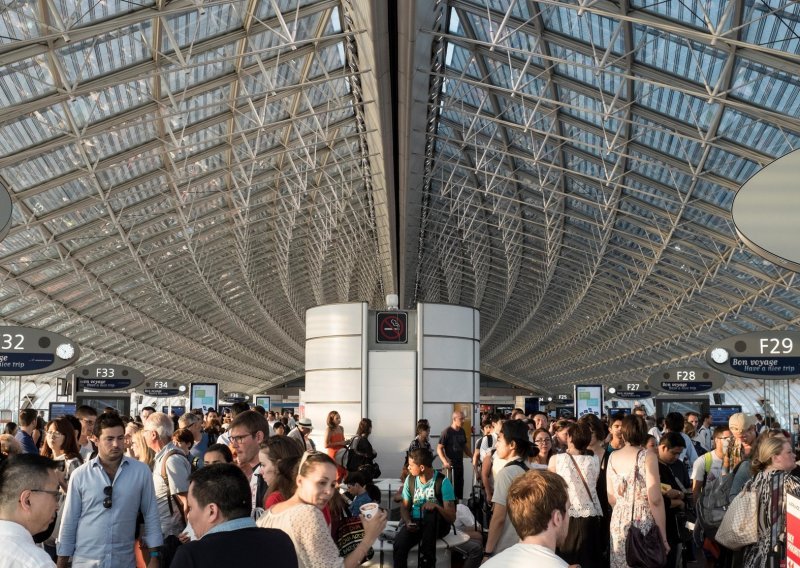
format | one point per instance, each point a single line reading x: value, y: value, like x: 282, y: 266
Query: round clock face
x: 65, y: 351
x: 719, y: 355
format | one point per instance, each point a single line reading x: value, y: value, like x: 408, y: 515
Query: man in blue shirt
x: 27, y: 425
x: 219, y: 512
x: 103, y: 500
x: 428, y: 511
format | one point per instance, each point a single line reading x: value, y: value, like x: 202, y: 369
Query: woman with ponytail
x: 513, y: 446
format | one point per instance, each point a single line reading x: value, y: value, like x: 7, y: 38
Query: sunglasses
x: 107, y: 490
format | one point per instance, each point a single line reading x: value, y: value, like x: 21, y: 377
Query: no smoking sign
x: 391, y: 327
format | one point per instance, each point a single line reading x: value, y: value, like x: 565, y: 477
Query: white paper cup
x: 369, y: 510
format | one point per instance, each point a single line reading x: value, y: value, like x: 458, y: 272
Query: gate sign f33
x: 105, y: 377
x: 759, y: 355
x: 31, y: 351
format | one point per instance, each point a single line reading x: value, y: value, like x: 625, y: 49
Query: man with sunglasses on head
x: 104, y: 497
x: 28, y: 504
x: 171, y: 470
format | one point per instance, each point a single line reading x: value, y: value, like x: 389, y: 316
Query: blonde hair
x: 145, y: 454
x: 767, y: 449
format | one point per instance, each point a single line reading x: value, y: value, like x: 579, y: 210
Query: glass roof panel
x: 666, y: 141
x: 192, y: 26
x: 198, y: 69
x: 678, y: 56
x: 586, y: 108
x: 131, y: 168
x: 773, y: 24
x: 104, y: 103
x: 32, y: 129
x: 583, y: 68
x: 589, y: 27
x: 766, y: 87
x: 771, y: 139
x: 692, y: 110
x: 103, y: 54
x: 695, y: 13
x: 266, y: 10
x: 52, y: 199
x: 327, y: 60
x: 25, y: 80
x: 730, y: 166
x: 19, y: 21
x: 43, y: 167
x: 80, y: 13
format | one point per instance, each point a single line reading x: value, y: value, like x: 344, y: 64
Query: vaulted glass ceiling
x: 190, y: 176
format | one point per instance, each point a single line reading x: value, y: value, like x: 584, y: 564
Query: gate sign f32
x: 391, y: 327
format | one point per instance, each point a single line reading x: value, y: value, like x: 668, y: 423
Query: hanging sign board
x: 30, y: 351
x: 105, y: 377
x: 163, y: 389
x: 686, y: 380
x: 232, y: 397
x: 631, y: 390
x: 765, y: 211
x: 563, y: 399
x: 758, y: 355
x: 5, y: 212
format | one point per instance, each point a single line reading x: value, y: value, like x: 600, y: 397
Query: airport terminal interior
x: 188, y: 177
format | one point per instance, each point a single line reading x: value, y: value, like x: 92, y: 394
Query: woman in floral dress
x: 633, y: 484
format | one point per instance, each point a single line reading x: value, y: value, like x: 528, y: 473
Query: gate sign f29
x: 759, y: 355
x: 30, y: 351
x: 686, y: 380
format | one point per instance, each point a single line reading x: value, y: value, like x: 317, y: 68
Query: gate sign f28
x: 30, y: 351
x: 759, y: 355
x: 686, y: 380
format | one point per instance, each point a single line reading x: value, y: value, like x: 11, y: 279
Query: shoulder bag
x: 739, y: 526
x: 643, y: 550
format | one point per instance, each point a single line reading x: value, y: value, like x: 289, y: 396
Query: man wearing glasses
x: 28, y: 504
x: 247, y: 432
x: 103, y: 500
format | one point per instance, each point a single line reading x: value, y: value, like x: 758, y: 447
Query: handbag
x: 739, y: 526
x: 349, y: 534
x: 643, y: 550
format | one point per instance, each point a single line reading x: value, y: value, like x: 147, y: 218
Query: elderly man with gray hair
x: 171, y: 470
x: 194, y: 424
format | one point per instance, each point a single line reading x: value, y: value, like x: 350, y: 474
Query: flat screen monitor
x: 588, y: 400
x: 683, y: 405
x: 262, y: 400
x: 531, y: 405
x: 176, y: 410
x: 59, y: 409
x: 614, y: 411
x: 204, y: 395
x: 99, y: 401
x: 720, y: 413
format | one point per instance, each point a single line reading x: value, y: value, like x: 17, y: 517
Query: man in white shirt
x: 703, y: 435
x: 537, y: 506
x: 709, y: 466
x: 28, y: 504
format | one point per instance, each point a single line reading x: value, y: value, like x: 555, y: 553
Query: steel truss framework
x: 189, y: 177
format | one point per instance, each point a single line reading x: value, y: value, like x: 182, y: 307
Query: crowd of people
x: 102, y: 490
